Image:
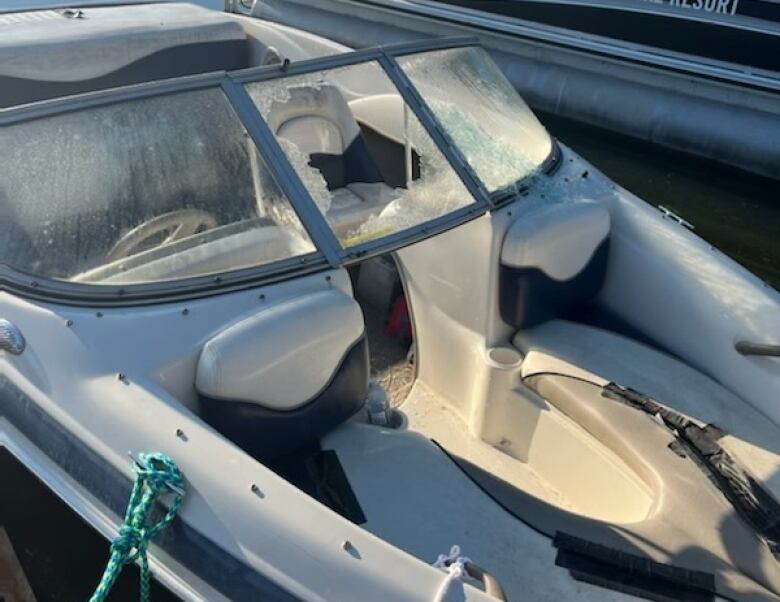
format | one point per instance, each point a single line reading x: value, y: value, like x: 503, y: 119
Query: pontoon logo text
x: 727, y: 7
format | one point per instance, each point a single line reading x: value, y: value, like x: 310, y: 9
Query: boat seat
x: 599, y: 356
x: 691, y: 524
x: 283, y: 377
x: 552, y: 258
x: 555, y: 258
x: 596, y: 356
x: 44, y: 54
x: 318, y: 121
x: 355, y: 203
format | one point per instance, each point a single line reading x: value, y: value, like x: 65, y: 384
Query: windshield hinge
x: 673, y: 216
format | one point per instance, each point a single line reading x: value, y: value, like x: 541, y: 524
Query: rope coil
x: 455, y: 565
x: 156, y: 475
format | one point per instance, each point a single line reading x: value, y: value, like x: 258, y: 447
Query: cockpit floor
x: 417, y: 499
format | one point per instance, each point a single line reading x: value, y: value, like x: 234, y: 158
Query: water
x: 61, y: 556
x: 737, y: 212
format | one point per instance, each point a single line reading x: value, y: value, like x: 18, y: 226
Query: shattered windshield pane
x: 482, y: 113
x: 367, y: 162
x: 154, y: 189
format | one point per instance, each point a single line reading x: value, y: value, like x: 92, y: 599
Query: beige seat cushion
x: 356, y: 203
x: 598, y: 356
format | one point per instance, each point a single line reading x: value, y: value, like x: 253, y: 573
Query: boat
x: 366, y: 329
x: 744, y: 32
x: 719, y: 109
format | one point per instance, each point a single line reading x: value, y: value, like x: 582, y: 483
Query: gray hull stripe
x: 223, y: 572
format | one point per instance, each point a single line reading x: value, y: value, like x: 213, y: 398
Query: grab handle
x: 491, y: 584
x: 748, y: 348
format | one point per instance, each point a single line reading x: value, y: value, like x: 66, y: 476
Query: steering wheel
x: 181, y: 224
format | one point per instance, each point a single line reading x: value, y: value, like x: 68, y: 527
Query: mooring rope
x: 156, y: 475
x: 455, y: 565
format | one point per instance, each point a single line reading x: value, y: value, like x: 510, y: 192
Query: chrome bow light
x: 11, y: 339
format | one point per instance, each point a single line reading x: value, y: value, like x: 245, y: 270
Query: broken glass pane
x: 367, y: 162
x: 483, y: 114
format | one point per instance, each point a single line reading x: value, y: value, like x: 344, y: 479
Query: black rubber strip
x: 630, y: 574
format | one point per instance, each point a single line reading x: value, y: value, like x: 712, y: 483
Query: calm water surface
x: 737, y: 212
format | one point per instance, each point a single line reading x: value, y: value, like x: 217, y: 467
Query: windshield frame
x: 383, y: 56
x: 329, y: 253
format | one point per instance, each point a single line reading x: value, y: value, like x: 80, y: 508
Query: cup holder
x: 504, y: 357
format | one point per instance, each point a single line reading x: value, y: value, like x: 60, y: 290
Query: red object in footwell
x: 398, y: 322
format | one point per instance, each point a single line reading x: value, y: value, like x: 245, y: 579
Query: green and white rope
x: 156, y: 475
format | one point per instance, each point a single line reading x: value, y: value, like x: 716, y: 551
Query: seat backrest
x: 48, y: 54
x: 552, y: 259
x: 282, y: 378
x: 318, y: 121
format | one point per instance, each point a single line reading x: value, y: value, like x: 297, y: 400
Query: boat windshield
x: 483, y: 114
x: 368, y: 163
x: 169, y: 185
x: 160, y: 188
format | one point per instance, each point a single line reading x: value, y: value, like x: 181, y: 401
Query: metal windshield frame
x: 329, y: 252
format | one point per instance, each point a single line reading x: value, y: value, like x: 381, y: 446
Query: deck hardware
x: 347, y: 546
x: 762, y: 349
x: 122, y: 377
x: 261, y: 297
x: 285, y: 64
x: 217, y: 279
x: 673, y: 216
x: 138, y: 464
x: 99, y: 314
x: 185, y: 312
x: 68, y: 323
x: 73, y: 13
x: 256, y: 490
x: 585, y: 174
x: 11, y: 338
x: 182, y: 435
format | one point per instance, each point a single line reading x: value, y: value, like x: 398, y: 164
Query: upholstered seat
x: 596, y: 356
x: 274, y: 399
x: 319, y: 123
x: 554, y: 260
x: 45, y: 54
